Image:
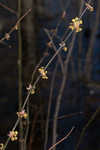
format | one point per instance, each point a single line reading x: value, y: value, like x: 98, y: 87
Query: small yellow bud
x: 22, y: 114
x: 25, y: 115
x: 43, y: 72
x: 31, y: 89
x: 65, y: 49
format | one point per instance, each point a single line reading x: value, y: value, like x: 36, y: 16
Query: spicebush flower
x: 63, y: 45
x: 75, y: 24
x: 43, y: 73
x: 22, y: 114
x: 13, y: 135
x: 31, y: 89
x: 16, y: 27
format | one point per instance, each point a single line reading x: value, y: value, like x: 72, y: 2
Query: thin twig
x: 49, y: 105
x: 65, y: 116
x: 89, y: 55
x: 62, y: 139
x: 86, y: 126
x: 55, y: 49
x: 7, y: 8
x: 62, y: 89
x: 50, y: 61
x: 14, y: 27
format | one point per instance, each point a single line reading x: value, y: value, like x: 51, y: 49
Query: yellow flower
x: 13, y: 135
x: 25, y: 115
x: 22, y: 114
x: 75, y: 24
x: 89, y: 7
x: 1, y: 146
x: 43, y: 72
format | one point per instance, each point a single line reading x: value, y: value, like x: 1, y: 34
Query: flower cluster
x: 63, y: 45
x: 13, y: 135
x: 31, y: 89
x: 43, y: 73
x: 75, y: 24
x: 22, y: 114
